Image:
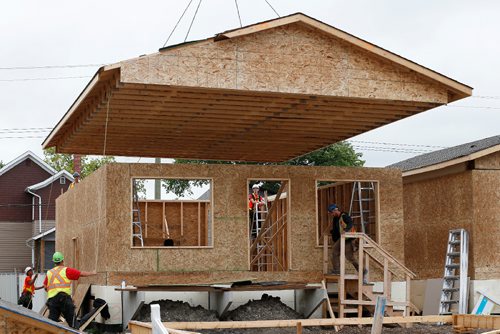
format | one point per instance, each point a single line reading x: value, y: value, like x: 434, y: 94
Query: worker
x: 76, y: 179
x: 58, y: 286
x: 26, y: 299
x: 340, y: 224
x: 254, y: 201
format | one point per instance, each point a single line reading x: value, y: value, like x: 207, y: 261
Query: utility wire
x: 238, y: 11
x: 49, y: 67
x: 180, y: 18
x: 192, y: 21
x: 395, y: 144
x: 274, y: 10
x: 44, y: 79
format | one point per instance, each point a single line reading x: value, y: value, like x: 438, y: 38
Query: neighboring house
x: 28, y: 189
x: 457, y: 187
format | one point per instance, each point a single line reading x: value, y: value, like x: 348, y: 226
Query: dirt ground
x: 269, y: 308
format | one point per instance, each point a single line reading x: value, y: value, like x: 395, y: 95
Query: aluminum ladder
x: 260, y: 215
x: 455, y: 284
x: 361, y: 194
x: 136, y: 217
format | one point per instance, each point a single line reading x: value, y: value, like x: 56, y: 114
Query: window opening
x: 268, y: 224
x: 357, y: 198
x: 172, y: 212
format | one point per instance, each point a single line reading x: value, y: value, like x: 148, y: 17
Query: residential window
x: 62, y: 180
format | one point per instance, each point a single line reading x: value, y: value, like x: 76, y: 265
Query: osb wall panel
x: 81, y: 214
x: 431, y: 209
x: 290, y: 59
x: 230, y: 241
x: 486, y: 211
x: 490, y: 161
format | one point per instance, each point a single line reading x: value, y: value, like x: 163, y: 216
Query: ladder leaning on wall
x: 136, y: 216
x: 455, y: 285
x: 260, y: 215
x: 362, y: 194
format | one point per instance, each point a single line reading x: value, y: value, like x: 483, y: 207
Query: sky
x: 457, y: 38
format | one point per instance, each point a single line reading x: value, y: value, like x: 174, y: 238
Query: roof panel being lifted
x: 267, y: 92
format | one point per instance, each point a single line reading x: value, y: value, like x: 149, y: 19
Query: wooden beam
x: 305, y: 322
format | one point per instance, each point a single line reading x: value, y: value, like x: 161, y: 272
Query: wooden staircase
x: 351, y: 296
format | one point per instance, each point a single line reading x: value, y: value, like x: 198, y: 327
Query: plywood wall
x: 486, y: 230
x: 291, y: 59
x: 110, y: 211
x: 432, y: 208
x: 81, y: 229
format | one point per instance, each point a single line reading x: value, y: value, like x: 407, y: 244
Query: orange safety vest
x: 57, y: 281
x: 28, y: 288
x: 252, y: 196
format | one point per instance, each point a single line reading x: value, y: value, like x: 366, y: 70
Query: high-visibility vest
x: 28, y: 288
x: 57, y: 281
x: 252, y: 196
x: 343, y: 225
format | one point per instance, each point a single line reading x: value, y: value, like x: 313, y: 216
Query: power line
x: 395, y: 144
x: 473, y: 107
x: 23, y: 137
x: 49, y: 67
x: 46, y: 78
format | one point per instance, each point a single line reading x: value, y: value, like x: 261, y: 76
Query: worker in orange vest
x: 254, y: 200
x: 26, y: 299
x: 58, y: 286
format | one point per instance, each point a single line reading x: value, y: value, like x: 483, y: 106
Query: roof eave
x: 452, y: 162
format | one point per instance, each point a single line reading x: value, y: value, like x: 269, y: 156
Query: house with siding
x: 28, y: 189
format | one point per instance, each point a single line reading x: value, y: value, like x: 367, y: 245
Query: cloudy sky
x: 456, y: 38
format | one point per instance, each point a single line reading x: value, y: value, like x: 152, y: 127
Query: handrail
x: 381, y: 250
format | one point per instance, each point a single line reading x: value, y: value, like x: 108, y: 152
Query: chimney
x: 77, y: 163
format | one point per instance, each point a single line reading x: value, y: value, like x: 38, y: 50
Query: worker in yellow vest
x: 58, y: 287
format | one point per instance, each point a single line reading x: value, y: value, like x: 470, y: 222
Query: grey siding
x: 14, y: 254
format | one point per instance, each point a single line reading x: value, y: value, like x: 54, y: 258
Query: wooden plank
x: 341, y: 284
x: 89, y: 320
x: 182, y: 219
x: 305, y: 322
x: 199, y: 224
x: 378, y: 316
x: 79, y: 295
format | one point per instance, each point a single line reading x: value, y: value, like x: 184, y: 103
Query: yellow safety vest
x: 57, y: 281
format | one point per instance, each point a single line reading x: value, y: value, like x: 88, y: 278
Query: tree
x: 60, y: 161
x: 1, y: 164
x: 338, y: 154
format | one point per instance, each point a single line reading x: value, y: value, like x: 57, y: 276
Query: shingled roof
x: 466, y: 151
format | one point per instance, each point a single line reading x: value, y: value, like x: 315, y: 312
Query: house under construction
x: 267, y: 92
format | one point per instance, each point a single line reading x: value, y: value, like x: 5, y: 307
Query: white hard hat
x: 255, y: 186
x: 27, y: 269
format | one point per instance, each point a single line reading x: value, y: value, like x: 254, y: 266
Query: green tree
x: 1, y: 164
x: 60, y: 161
x: 338, y: 154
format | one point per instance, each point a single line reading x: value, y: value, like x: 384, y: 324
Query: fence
x: 11, y: 285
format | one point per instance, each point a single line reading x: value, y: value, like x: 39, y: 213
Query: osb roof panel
x: 267, y: 94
